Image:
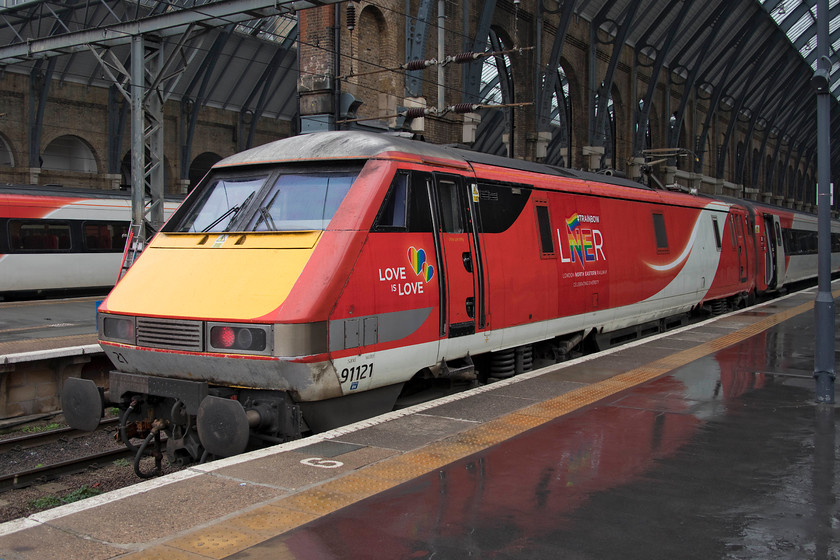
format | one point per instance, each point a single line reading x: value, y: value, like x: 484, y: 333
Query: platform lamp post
x: 824, y: 304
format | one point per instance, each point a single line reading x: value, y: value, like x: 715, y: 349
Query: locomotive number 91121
x: 356, y: 373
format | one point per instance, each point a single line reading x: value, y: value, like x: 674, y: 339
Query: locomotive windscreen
x: 271, y: 201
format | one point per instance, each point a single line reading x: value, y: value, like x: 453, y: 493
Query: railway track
x: 40, y: 473
x: 28, y: 441
x: 26, y: 478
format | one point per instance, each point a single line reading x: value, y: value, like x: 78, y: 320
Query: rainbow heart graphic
x: 428, y: 271
x: 417, y: 260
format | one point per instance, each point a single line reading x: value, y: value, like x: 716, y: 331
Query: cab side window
x: 406, y: 206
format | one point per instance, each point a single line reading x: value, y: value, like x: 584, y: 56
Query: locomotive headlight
x: 238, y: 338
x: 117, y: 328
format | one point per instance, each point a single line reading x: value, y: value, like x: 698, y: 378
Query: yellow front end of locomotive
x: 228, y: 276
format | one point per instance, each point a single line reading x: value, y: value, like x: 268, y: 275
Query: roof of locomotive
x: 338, y: 145
x: 335, y: 145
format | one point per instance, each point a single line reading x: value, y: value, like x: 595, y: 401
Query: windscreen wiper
x: 232, y: 210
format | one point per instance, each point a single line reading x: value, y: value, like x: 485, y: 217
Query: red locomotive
x: 312, y: 281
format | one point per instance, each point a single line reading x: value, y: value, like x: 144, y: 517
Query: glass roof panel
x: 805, y: 28
x: 800, y: 26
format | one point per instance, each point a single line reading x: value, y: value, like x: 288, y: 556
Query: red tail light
x: 222, y: 337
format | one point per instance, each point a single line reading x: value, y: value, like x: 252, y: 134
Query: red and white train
x: 312, y: 281
x: 59, y: 239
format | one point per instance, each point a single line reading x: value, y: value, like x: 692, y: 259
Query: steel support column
x: 824, y: 304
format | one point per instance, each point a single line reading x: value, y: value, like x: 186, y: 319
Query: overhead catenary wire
x: 420, y: 112
x: 460, y: 58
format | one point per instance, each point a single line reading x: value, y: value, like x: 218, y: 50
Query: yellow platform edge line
x: 303, y: 507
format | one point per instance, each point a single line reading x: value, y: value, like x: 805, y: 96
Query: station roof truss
x: 224, y: 47
x: 753, y: 58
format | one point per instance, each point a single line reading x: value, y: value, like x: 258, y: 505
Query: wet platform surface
x: 43, y: 325
x: 704, y: 443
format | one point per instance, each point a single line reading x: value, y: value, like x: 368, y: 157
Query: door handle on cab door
x: 467, y: 258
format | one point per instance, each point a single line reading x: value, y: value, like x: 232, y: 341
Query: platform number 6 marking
x: 322, y: 463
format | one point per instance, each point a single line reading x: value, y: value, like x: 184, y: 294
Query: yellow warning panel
x: 269, y: 520
x: 216, y: 541
x: 315, y: 501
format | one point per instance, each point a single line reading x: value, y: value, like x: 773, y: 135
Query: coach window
x: 39, y: 236
x: 716, y: 231
x: 661, y: 234
x: 544, y: 225
x: 105, y: 236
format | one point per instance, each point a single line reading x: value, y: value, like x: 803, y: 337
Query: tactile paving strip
x: 293, y: 511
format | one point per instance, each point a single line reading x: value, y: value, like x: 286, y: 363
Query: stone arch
x: 200, y: 166
x: 7, y: 157
x: 372, y: 41
x: 69, y: 153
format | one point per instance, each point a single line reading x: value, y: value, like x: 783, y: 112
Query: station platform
x: 703, y: 443
x: 49, y: 328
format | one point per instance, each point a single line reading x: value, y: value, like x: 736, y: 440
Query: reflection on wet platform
x: 718, y: 459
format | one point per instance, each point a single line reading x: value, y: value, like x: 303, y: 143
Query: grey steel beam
x: 416, y: 32
x: 472, y: 71
x: 265, y: 85
x: 39, y: 88
x: 547, y: 86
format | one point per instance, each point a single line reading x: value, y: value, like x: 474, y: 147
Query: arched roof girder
x: 733, y: 53
x: 549, y: 84
x: 598, y: 112
x: 712, y: 27
x: 741, y: 85
x: 472, y: 71
x: 643, y: 114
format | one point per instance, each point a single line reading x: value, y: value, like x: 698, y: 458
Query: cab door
x: 460, y: 260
